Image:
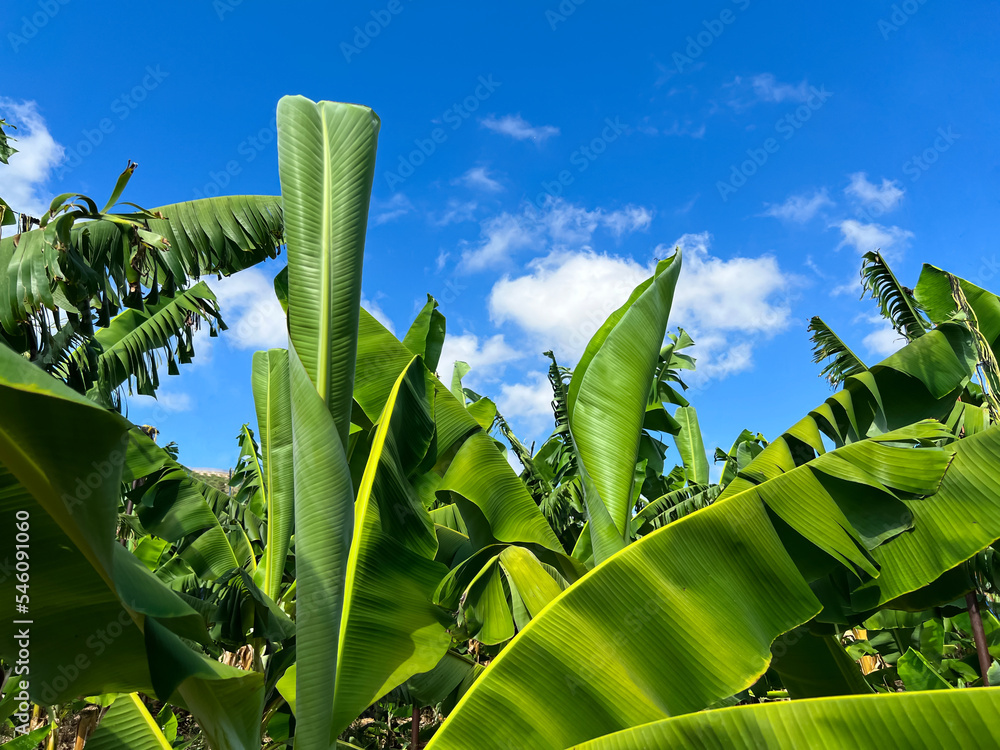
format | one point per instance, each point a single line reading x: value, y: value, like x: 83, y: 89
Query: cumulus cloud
x: 378, y: 313
x: 799, y: 209
x: 884, y: 197
x: 867, y: 237
x: 726, y: 304
x: 556, y: 224
x: 478, y: 178
x: 884, y: 340
x: 251, y: 310
x: 518, y: 128
x: 25, y: 177
x: 254, y: 315
x: 487, y: 357
x: 529, y: 403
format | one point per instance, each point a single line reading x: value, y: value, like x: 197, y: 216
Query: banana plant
x: 90, y: 279
x: 863, y: 523
x: 102, y: 620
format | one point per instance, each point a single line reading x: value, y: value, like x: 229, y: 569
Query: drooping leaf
x: 827, y: 345
x: 895, y: 301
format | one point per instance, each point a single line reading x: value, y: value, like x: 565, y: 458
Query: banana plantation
x: 377, y: 575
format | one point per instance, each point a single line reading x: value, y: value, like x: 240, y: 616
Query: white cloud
x: 884, y: 341
x: 251, y: 310
x: 627, y: 220
x: 687, y: 128
x: 502, y: 236
x: 867, y: 237
x: 174, y: 402
x: 884, y: 197
x: 557, y: 224
x: 378, y: 313
x: 487, y: 357
x: 479, y: 178
x: 254, y: 315
x: 765, y: 88
x: 457, y: 212
x: 518, y: 128
x: 769, y: 89
x: 529, y: 403
x: 392, y: 209
x: 37, y: 154
x: 727, y: 305
x: 799, y: 208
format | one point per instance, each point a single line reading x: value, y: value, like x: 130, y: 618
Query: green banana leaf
x: 921, y: 721
x: 390, y: 628
x: 426, y: 334
x: 691, y: 446
x: 272, y: 394
x: 607, y: 401
x: 653, y: 636
x: 469, y: 463
x: 103, y: 622
x: 326, y: 161
x: 128, y: 726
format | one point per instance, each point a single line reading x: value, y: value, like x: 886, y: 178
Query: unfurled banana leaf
x: 426, y: 334
x: 845, y: 501
x: 653, y: 635
x: 103, y: 621
x: 390, y: 629
x: 936, y: 294
x: 326, y: 161
x: 271, y: 389
x: 469, y: 464
x: 178, y: 508
x: 922, y: 721
x: 481, y: 587
x: 691, y: 446
x: 607, y: 401
x: 212, y: 235
x: 128, y: 726
x: 674, y: 505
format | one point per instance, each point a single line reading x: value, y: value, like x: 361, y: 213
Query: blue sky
x: 535, y: 159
